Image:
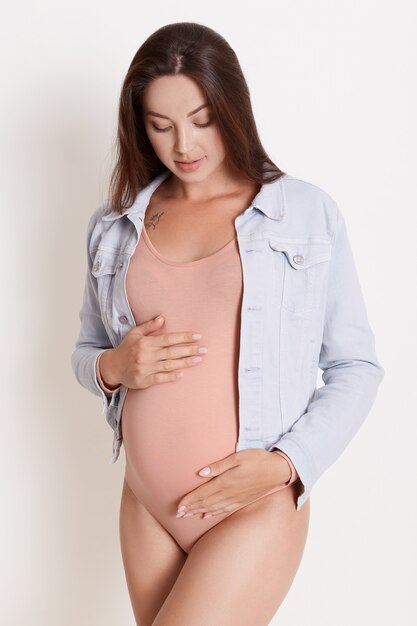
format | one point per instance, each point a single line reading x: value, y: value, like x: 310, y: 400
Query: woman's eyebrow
x: 206, y: 104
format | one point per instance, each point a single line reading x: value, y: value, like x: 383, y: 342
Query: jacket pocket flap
x: 105, y: 262
x: 303, y: 254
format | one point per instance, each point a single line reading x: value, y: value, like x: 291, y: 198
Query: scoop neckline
x: 157, y: 254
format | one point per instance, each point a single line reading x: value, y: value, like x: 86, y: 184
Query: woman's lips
x: 191, y: 166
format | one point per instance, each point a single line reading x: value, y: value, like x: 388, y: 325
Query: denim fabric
x: 302, y: 309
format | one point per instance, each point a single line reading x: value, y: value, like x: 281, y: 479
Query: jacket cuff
x: 294, y: 474
x: 302, y: 460
x: 100, y: 380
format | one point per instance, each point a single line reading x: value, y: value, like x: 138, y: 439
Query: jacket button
x: 120, y: 263
x: 298, y: 259
x: 123, y: 319
x: 96, y: 265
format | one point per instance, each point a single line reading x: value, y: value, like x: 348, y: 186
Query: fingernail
x: 196, y: 336
x: 181, y: 508
x: 205, y: 471
x: 207, y: 515
x: 180, y: 514
x: 188, y: 514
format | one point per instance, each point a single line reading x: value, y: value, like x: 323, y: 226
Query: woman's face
x: 181, y: 128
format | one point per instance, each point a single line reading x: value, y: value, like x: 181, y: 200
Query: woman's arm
x: 108, y: 390
x: 294, y: 474
x: 93, y: 339
x: 351, y: 373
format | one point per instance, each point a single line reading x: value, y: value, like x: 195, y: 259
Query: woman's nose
x: 184, y: 140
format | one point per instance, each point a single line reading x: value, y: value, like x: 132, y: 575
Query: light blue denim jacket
x: 302, y: 309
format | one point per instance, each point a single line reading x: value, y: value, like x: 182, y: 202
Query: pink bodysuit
x: 172, y: 430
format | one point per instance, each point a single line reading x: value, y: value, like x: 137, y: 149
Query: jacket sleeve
x: 93, y: 338
x: 351, y: 373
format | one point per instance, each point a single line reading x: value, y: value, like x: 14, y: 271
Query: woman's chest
x: 187, y: 234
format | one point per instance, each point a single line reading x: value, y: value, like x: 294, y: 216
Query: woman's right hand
x: 142, y: 360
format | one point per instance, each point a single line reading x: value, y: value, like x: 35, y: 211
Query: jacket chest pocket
x: 105, y: 266
x: 300, y: 273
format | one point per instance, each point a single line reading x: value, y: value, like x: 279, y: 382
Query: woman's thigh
x: 239, y: 571
x: 152, y: 559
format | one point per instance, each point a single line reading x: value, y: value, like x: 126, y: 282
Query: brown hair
x: 204, y: 56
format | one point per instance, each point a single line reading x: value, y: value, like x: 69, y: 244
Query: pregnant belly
x: 171, y: 431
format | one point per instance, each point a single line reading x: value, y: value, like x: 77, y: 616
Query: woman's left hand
x: 236, y: 480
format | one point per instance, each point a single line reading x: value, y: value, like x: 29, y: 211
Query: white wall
x: 333, y: 90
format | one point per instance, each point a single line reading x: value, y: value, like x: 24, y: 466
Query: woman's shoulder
x: 308, y: 204
x: 94, y: 226
x: 299, y: 188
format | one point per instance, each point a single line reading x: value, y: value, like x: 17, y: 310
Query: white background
x: 334, y: 95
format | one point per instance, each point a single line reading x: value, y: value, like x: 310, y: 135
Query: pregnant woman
x: 202, y: 330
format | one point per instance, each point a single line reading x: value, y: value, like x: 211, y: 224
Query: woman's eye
x: 159, y: 130
x: 204, y: 125
x: 164, y: 130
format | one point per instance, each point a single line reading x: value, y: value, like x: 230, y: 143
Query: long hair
x: 204, y: 56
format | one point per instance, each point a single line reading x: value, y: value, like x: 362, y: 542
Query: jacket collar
x: 270, y: 200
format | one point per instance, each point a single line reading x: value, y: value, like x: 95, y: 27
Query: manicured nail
x: 207, y: 515
x: 188, y: 514
x: 205, y: 471
x: 196, y: 336
x: 180, y: 514
x: 182, y: 508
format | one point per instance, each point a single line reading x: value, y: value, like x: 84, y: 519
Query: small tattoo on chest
x: 153, y: 221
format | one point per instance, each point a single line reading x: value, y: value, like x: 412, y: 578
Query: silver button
x: 297, y: 258
x: 96, y: 266
x: 123, y: 319
x: 120, y: 263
